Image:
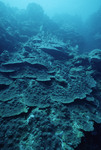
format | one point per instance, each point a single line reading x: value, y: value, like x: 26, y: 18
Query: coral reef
x: 49, y: 92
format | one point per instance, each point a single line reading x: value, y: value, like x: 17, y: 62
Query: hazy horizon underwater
x: 50, y: 75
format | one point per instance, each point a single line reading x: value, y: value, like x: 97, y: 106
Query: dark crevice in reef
x: 3, y: 87
x: 91, y: 140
